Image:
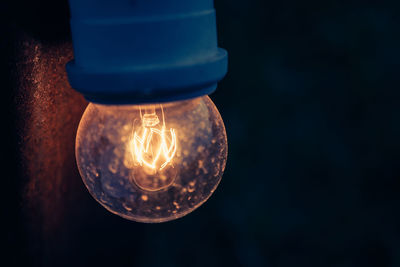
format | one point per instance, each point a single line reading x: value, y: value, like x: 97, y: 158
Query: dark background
x: 311, y: 110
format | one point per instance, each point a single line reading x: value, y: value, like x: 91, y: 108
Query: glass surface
x: 152, y: 163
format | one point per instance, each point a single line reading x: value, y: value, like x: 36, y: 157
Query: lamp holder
x: 144, y: 51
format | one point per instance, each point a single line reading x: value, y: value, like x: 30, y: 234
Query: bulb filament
x: 153, y: 145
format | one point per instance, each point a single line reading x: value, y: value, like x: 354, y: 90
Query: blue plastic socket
x: 144, y: 51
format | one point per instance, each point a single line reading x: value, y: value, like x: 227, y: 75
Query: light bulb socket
x: 141, y: 51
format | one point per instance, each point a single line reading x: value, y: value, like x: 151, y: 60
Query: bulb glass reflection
x: 152, y: 163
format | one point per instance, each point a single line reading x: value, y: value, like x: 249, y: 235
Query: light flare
x: 155, y: 143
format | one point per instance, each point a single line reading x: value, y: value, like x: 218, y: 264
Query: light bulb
x: 155, y: 162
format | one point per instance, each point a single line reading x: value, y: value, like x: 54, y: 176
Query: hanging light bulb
x: 151, y: 146
x: 152, y: 163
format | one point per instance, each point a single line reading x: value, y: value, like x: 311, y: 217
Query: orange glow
x: 153, y: 146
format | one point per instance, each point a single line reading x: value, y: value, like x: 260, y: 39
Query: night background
x: 310, y: 105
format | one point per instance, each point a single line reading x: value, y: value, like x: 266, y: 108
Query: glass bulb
x: 152, y: 163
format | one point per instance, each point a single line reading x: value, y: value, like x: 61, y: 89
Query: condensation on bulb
x: 152, y: 163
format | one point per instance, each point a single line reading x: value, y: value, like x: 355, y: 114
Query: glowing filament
x: 154, y: 144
